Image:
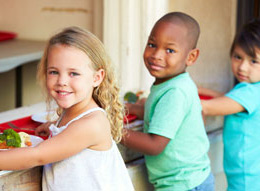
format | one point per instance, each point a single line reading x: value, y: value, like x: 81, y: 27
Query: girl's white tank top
x: 87, y: 170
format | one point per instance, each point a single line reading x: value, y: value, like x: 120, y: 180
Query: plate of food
x: 45, y: 116
x: 35, y: 140
x: 10, y: 139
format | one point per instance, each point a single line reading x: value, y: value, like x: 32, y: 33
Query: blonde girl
x: 81, y: 153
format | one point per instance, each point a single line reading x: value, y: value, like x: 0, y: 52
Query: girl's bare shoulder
x: 95, y: 123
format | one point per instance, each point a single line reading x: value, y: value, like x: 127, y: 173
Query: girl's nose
x: 244, y: 65
x: 62, y: 80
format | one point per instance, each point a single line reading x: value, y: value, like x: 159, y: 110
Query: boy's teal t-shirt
x: 241, y: 137
x: 173, y: 110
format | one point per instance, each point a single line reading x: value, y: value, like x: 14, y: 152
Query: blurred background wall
x: 38, y: 20
x: 124, y: 27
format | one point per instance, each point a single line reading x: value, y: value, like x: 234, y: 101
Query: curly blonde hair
x: 106, y: 94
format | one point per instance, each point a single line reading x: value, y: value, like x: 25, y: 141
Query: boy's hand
x: 141, y: 101
x: 136, y: 108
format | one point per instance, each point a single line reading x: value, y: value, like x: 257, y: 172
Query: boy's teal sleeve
x: 247, y: 95
x: 168, y: 114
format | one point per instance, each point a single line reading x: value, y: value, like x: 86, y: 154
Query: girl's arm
x: 221, y: 106
x: 149, y: 144
x: 81, y: 134
x: 209, y: 92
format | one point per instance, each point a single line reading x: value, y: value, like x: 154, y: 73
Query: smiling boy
x: 174, y: 140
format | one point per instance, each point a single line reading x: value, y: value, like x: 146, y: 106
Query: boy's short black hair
x: 248, y: 38
x: 190, y: 23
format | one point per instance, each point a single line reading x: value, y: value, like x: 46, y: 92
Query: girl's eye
x: 254, y: 62
x: 170, y: 50
x: 237, y: 57
x: 53, y: 72
x: 151, y: 45
x: 74, y: 74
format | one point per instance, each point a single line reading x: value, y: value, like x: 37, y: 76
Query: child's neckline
x: 172, y: 79
x: 78, y: 116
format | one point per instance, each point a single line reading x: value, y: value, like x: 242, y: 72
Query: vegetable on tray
x: 11, y: 139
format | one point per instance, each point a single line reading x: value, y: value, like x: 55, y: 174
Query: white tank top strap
x: 59, y: 119
x: 86, y: 113
x: 56, y: 130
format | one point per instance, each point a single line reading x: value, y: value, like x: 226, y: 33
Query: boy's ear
x: 98, y: 77
x: 192, y: 57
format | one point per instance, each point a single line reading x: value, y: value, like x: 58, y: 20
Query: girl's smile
x: 62, y: 93
x: 242, y: 77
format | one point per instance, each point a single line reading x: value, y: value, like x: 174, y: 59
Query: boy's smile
x: 245, y: 68
x: 167, y: 51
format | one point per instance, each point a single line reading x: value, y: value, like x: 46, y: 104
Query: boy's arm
x: 136, y: 108
x: 221, y: 106
x: 149, y: 144
x: 209, y: 92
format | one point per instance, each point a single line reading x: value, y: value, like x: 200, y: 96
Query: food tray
x: 25, y: 124
x: 129, y: 118
x: 205, y: 97
x: 7, y: 35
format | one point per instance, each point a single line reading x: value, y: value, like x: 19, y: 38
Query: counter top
x: 127, y: 154
x: 16, y: 52
x: 22, y: 112
x: 21, y: 180
x: 136, y: 169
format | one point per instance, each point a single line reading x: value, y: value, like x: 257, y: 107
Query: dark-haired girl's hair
x: 248, y: 38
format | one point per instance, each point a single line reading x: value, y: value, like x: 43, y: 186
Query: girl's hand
x: 43, y: 129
